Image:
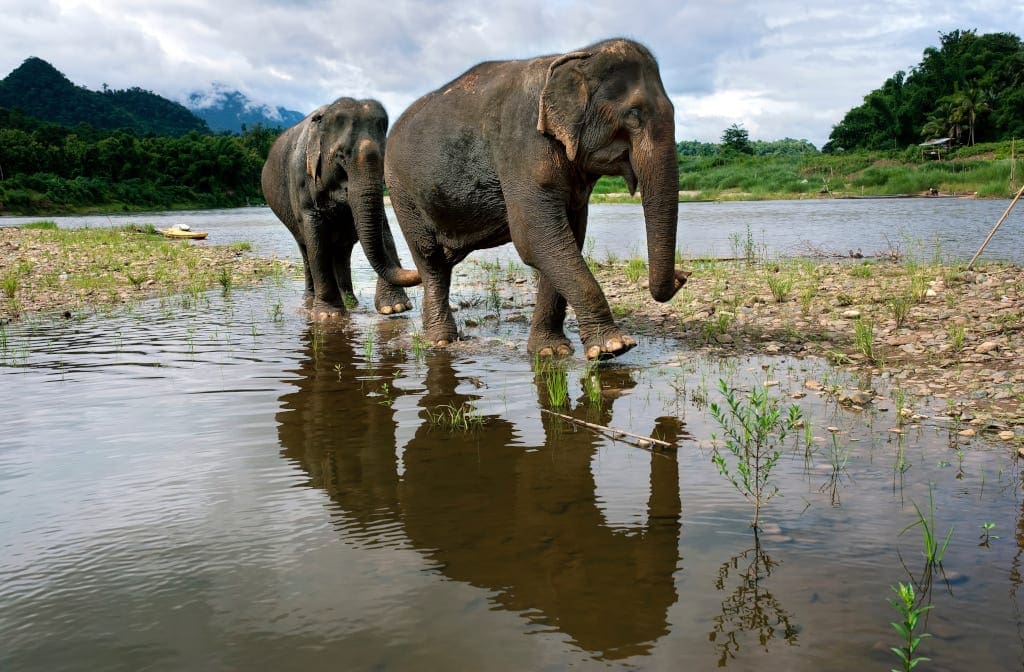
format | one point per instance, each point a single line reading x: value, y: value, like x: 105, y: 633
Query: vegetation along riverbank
x: 43, y: 268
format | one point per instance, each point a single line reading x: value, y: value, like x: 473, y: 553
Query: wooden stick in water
x: 611, y: 430
x: 993, y: 231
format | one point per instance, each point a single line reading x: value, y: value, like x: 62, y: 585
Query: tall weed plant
x: 754, y: 429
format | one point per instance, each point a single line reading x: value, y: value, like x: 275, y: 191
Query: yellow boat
x: 179, y: 232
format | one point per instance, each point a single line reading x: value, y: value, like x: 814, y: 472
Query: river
x: 221, y: 484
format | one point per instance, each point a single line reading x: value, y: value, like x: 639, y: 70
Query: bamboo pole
x: 641, y: 439
x: 993, y: 231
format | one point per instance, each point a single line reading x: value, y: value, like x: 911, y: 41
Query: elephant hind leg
x: 547, y: 336
x: 435, y: 269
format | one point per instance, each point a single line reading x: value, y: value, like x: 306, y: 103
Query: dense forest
x: 47, y: 167
x: 970, y: 88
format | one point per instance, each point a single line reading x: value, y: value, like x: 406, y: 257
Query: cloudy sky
x: 778, y: 68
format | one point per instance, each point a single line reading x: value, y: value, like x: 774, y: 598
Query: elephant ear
x: 314, y: 148
x: 563, y: 101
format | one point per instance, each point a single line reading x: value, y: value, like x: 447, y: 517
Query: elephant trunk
x: 657, y: 174
x: 366, y: 197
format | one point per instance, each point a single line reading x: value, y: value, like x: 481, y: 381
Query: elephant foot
x: 612, y: 346
x: 549, y: 345
x: 325, y: 310
x: 394, y: 308
x: 441, y: 337
x: 391, y: 300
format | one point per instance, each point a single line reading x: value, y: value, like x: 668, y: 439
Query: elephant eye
x: 633, y: 117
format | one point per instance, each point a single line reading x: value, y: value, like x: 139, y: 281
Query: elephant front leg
x: 602, y: 338
x: 550, y: 246
x: 327, y: 300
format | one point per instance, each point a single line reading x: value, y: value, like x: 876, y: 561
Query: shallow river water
x: 217, y: 483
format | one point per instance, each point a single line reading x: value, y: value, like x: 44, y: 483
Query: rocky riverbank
x: 938, y: 332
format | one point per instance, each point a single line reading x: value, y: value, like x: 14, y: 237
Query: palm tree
x: 969, y: 104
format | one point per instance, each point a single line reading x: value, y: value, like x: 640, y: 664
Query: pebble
x: 986, y: 347
x: 851, y: 314
x: 1007, y: 435
x: 969, y: 432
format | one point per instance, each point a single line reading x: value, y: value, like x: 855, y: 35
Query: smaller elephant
x: 324, y: 179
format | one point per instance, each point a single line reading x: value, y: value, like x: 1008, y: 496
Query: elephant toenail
x: 385, y: 310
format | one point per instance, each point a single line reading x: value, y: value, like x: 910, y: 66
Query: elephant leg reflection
x: 343, y: 438
x: 610, y: 588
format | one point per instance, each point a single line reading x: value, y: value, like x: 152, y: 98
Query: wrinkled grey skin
x: 324, y: 179
x: 510, y: 151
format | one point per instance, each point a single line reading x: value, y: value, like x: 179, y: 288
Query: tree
x: 737, y: 139
x: 970, y: 85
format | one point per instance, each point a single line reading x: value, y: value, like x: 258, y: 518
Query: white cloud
x: 779, y: 68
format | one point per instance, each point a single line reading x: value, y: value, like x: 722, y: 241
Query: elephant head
x: 607, y: 106
x: 345, y: 144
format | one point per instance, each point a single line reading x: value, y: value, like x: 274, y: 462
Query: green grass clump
x: 553, y: 376
x: 463, y: 418
x: 43, y: 225
x: 864, y: 338
x: 780, y: 285
x: 636, y: 268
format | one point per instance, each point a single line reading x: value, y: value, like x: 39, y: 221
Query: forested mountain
x: 42, y: 92
x: 232, y: 111
x: 969, y: 88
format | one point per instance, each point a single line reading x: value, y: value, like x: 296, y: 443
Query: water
x: 223, y: 485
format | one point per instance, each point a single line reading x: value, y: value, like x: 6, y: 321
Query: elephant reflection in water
x: 486, y: 510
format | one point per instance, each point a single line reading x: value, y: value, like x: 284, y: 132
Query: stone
x: 967, y: 433
x: 1006, y: 435
x: 986, y: 347
x: 851, y: 314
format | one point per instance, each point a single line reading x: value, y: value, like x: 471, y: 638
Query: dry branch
x: 641, y: 440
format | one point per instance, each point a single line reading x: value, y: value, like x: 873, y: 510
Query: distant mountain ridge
x: 225, y: 110
x: 43, y: 92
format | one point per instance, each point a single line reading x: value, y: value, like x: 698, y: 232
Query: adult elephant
x: 324, y: 179
x: 511, y: 151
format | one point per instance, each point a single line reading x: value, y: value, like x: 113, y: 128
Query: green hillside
x: 42, y: 92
